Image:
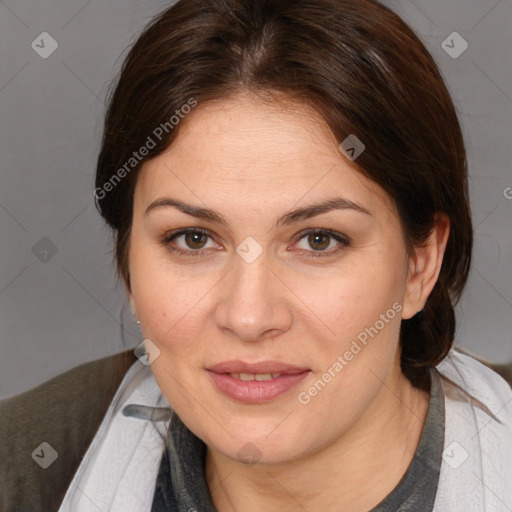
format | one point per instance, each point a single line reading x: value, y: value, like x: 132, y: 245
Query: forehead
x: 244, y: 148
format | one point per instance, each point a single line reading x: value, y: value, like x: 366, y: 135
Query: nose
x: 253, y: 304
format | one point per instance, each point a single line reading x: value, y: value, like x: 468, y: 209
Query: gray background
x: 58, y: 313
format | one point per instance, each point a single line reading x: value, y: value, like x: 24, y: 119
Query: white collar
x: 476, y: 473
x: 119, y: 470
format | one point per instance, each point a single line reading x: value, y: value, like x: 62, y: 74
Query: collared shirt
x: 181, y: 485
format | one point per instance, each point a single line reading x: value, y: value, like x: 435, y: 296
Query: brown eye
x: 187, y: 242
x: 319, y: 240
x: 195, y: 240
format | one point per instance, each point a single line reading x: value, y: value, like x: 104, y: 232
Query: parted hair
x: 359, y: 65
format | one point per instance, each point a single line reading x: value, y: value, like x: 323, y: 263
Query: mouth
x: 260, y: 368
x: 260, y: 377
x: 256, y: 382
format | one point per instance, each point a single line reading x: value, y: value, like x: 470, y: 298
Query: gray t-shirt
x: 181, y: 485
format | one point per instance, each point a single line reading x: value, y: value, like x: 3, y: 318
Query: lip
x: 253, y: 391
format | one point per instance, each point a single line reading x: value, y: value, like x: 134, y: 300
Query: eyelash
x: 343, y: 240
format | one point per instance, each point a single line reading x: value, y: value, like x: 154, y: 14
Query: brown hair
x: 359, y: 65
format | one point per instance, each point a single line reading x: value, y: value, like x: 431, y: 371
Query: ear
x: 424, y: 267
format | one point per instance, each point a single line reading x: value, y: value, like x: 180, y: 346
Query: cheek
x: 356, y: 342
x: 163, y: 291
x: 354, y: 298
x: 170, y: 309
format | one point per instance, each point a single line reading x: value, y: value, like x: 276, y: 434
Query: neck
x: 353, y: 474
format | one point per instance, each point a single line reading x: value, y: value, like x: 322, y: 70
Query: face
x: 263, y: 287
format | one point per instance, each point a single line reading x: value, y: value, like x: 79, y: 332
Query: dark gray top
x: 181, y: 485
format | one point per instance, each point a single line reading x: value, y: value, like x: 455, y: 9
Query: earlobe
x: 132, y: 305
x: 425, y: 266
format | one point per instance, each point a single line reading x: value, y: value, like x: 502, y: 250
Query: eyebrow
x: 291, y: 217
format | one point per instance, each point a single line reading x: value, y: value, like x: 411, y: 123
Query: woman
x: 287, y: 186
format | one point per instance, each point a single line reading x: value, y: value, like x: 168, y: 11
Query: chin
x: 258, y: 443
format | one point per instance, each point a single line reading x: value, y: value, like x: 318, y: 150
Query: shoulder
x: 477, y: 378
x: 469, y: 380
x: 67, y: 393
x: 63, y: 413
x: 478, y: 436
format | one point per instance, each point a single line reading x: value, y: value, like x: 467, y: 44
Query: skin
x: 253, y: 161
